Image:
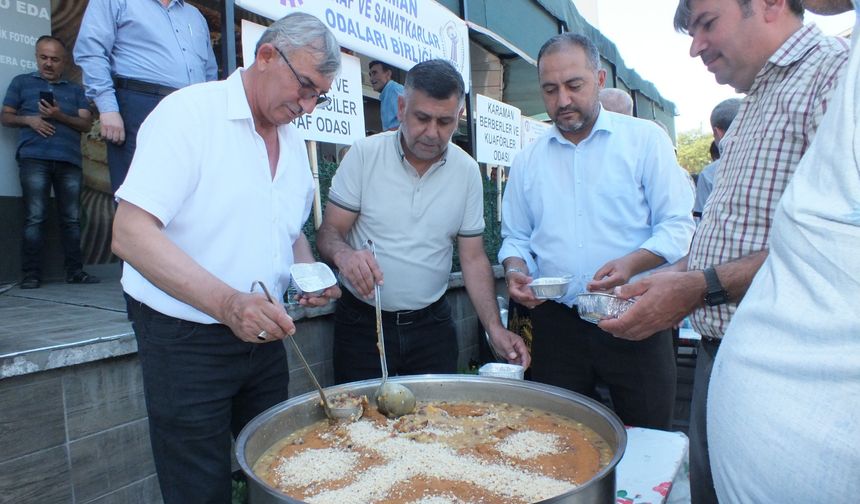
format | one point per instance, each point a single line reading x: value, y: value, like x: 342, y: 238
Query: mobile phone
x: 48, y: 96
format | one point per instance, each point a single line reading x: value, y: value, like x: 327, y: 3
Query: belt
x: 402, y: 317
x: 142, y: 87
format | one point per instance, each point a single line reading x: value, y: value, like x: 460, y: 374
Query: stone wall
x: 79, y: 434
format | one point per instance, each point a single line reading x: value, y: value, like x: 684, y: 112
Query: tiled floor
x: 60, y: 314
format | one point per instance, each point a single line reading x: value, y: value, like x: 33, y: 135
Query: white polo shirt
x: 201, y: 168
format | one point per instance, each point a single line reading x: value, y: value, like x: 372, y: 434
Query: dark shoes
x: 82, y: 277
x: 30, y: 283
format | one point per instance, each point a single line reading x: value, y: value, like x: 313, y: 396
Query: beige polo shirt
x: 413, y: 220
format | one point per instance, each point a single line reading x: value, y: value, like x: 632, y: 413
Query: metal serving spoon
x: 392, y: 399
x: 351, y: 412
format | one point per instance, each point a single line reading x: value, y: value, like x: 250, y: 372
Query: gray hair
x: 724, y: 113
x: 682, y: 13
x: 616, y: 100
x: 561, y: 40
x: 303, y: 31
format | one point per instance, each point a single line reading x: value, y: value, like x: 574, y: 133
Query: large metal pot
x: 281, y: 420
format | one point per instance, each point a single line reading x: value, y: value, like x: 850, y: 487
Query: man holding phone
x: 52, y: 113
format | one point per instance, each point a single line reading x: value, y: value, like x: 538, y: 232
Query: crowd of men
x: 212, y: 190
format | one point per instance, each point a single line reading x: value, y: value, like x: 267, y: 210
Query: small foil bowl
x: 501, y: 370
x: 596, y: 306
x: 312, y: 278
x: 550, y: 287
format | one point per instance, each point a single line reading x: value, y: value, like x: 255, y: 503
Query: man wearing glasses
x: 413, y: 193
x: 215, y: 200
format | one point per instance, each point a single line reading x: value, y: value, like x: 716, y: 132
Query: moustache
x: 569, y: 108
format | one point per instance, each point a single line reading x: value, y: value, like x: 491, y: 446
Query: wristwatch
x: 715, y: 294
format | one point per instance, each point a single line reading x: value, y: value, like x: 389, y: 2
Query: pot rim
x: 607, y: 415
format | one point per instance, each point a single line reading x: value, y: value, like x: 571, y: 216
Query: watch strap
x: 715, y: 292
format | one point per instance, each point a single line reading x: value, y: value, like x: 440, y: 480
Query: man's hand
x: 519, y: 290
x: 361, y: 269
x: 323, y: 299
x: 612, y: 274
x: 40, y: 126
x: 112, y: 127
x: 510, y: 346
x: 664, y: 299
x: 248, y: 315
x: 48, y: 110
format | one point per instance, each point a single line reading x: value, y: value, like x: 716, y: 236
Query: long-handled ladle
x: 350, y: 412
x: 392, y: 399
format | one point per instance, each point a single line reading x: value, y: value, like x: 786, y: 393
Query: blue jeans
x: 202, y: 384
x: 417, y: 342
x: 37, y: 177
x: 134, y: 107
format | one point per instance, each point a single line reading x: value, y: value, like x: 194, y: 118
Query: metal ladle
x: 392, y: 399
x: 351, y: 412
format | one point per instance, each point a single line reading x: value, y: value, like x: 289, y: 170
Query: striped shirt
x: 773, y: 128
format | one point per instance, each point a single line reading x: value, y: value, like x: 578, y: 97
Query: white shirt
x: 203, y: 171
x: 575, y: 207
x: 784, y: 401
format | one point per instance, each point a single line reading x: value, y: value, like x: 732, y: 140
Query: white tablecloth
x: 655, y: 468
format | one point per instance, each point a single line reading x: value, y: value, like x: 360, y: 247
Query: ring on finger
x: 262, y: 335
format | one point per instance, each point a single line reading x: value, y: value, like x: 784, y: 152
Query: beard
x: 581, y: 120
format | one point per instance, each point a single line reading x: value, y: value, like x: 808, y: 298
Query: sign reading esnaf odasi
x: 399, y: 32
x: 343, y: 120
x: 497, y: 131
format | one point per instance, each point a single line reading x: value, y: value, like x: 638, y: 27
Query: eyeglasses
x: 306, y: 91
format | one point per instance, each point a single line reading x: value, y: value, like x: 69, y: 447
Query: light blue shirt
x: 568, y: 209
x: 142, y: 40
x: 704, y: 185
x: 388, y: 104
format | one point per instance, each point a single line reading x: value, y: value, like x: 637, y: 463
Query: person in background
x: 133, y: 54
x: 389, y: 92
x: 599, y: 197
x: 51, y: 113
x: 788, y: 71
x: 413, y: 193
x: 239, y: 192
x: 721, y: 118
x: 784, y: 402
x: 616, y: 100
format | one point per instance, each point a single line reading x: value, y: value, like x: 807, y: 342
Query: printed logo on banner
x: 454, y: 47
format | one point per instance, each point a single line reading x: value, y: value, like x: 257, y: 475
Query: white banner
x: 21, y: 24
x: 399, y: 32
x: 532, y: 130
x: 341, y: 122
x: 497, y: 131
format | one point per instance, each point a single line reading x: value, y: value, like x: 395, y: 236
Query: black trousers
x: 202, y: 385
x: 701, y: 480
x: 416, y: 342
x: 574, y: 354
